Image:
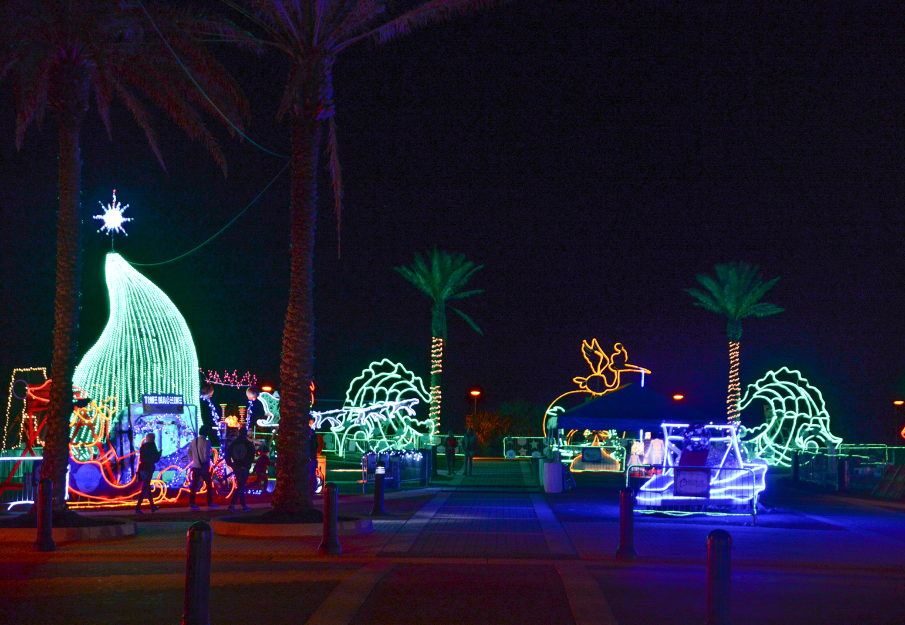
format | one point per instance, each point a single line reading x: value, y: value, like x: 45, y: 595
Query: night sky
x: 593, y: 156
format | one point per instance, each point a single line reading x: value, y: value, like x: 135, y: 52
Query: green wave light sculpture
x: 146, y: 346
x: 797, y: 420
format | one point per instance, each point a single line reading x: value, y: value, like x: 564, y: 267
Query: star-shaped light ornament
x: 113, y: 217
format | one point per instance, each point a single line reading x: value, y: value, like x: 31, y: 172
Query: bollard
x: 795, y: 467
x: 44, y: 539
x: 626, y: 550
x: 378, y: 509
x: 719, y: 574
x: 330, y: 544
x: 198, y: 575
x: 841, y: 465
x: 434, y: 461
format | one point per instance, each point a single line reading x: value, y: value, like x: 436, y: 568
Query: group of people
x: 469, y: 446
x: 239, y: 455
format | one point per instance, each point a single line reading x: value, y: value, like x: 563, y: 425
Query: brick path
x: 487, y: 549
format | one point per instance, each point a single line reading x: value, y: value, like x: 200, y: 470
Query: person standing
x: 313, y: 449
x: 148, y: 457
x: 200, y: 454
x: 451, y: 445
x: 239, y: 456
x: 260, y: 469
x: 255, y: 411
x: 209, y: 414
x: 469, y: 446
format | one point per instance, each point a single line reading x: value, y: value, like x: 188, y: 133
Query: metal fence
x: 859, y: 466
x: 410, y: 466
x: 690, y: 490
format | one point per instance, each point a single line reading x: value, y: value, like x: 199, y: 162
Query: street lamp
x: 475, y: 392
x: 678, y: 397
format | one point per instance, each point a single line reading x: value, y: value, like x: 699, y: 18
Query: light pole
x: 898, y: 408
x: 475, y: 392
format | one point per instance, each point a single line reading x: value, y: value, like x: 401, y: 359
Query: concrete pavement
x: 488, y: 549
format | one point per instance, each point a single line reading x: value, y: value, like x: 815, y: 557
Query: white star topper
x: 113, y: 216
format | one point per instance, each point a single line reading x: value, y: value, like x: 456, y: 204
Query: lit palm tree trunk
x: 436, y: 371
x: 66, y: 310
x: 292, y: 493
x: 735, y: 388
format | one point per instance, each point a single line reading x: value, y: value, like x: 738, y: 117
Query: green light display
x: 145, y: 348
x: 797, y: 419
x: 379, y: 411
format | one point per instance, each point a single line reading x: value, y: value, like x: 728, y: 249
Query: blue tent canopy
x: 629, y: 409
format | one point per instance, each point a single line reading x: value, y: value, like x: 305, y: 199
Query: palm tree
x: 441, y: 277
x: 59, y: 54
x: 735, y: 294
x: 312, y: 34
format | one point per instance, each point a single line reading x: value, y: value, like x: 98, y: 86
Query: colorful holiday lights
x: 230, y: 379
x: 113, y: 217
x: 146, y: 346
x: 735, y: 387
x: 605, y: 377
x: 436, y: 398
x: 379, y: 409
x: 797, y: 420
x: 9, y: 401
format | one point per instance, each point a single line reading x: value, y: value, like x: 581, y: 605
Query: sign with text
x: 691, y: 483
x: 162, y: 404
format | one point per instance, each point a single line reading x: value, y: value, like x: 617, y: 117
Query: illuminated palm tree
x: 312, y: 34
x: 735, y: 294
x: 441, y: 277
x: 60, y: 54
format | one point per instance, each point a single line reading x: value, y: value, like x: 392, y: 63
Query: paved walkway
x: 488, y: 548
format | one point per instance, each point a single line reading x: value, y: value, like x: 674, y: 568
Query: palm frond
x: 468, y: 320
x: 466, y: 294
x: 735, y: 292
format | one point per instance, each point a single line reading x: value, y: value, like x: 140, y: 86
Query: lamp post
x: 475, y: 392
x: 898, y: 409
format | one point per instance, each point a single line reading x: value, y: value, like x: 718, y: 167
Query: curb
x: 231, y: 526
x: 122, y: 529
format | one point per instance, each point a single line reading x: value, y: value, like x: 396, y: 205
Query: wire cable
x: 195, y: 82
x: 219, y: 232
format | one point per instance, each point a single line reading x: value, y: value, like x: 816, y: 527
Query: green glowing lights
x: 379, y: 411
x: 797, y: 419
x: 146, y: 347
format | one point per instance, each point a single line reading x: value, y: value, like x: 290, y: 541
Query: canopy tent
x: 629, y: 409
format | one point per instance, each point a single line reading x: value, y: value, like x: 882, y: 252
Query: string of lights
x: 735, y: 387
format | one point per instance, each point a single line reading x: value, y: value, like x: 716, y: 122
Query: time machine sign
x: 162, y: 404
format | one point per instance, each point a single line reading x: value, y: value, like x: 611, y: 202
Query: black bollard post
x: 719, y: 577
x: 378, y: 509
x: 795, y: 467
x: 198, y: 575
x: 44, y: 539
x: 840, y: 474
x: 626, y: 550
x: 330, y: 544
x: 433, y: 461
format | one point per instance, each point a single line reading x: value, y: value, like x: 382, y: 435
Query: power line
x: 195, y: 82
x: 219, y: 232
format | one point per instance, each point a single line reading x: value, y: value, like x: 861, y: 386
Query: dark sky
x: 593, y: 156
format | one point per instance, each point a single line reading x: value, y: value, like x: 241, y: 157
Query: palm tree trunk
x: 436, y: 371
x: 292, y: 493
x: 66, y: 311
x: 734, y: 393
